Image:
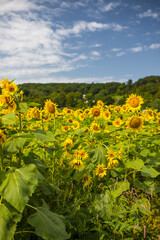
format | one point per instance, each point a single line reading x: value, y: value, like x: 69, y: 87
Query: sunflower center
x: 135, y: 123
x: 101, y: 169
x: 134, y: 102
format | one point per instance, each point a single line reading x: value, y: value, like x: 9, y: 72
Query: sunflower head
x: 135, y: 123
x: 75, y: 125
x: 65, y: 128
x: 117, y: 122
x: 77, y: 164
x: 134, y: 102
x: 68, y: 143
x: 100, y: 103
x: 107, y: 115
x: 96, y: 112
x: 4, y: 83
x: 101, y: 170
x: 11, y: 88
x: 50, y: 107
x: 95, y: 127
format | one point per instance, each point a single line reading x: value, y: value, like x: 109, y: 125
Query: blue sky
x: 79, y: 40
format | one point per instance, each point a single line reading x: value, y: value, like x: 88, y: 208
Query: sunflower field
x: 89, y: 174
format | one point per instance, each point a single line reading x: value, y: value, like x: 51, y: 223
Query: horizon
x: 92, y: 41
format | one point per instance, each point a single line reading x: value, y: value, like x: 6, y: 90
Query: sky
x: 82, y: 41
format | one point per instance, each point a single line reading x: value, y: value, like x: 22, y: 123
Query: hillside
x: 83, y: 94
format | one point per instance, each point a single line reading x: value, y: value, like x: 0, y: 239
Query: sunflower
x: 81, y: 117
x: 65, y: 128
x: 68, y: 143
x: 87, y: 180
x: 8, y: 101
x: 96, y: 112
x: 135, y: 123
x: 77, y: 164
x: 101, y: 170
x: 150, y: 113
x: 4, y: 83
x: 69, y: 120
x: 87, y: 111
x: 35, y: 113
x: 107, y: 115
x: 134, y: 102
x: 100, y: 103
x: 111, y: 154
x: 2, y: 137
x: 11, y: 88
x: 50, y: 107
x: 95, y: 127
x: 75, y: 125
x: 117, y: 122
x: 80, y: 153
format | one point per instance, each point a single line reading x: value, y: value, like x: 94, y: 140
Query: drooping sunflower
x: 35, y: 113
x: 135, y: 123
x: 50, y: 107
x: 77, y: 164
x: 134, y: 102
x: 101, y: 170
x: 2, y: 137
x: 95, y: 127
x: 8, y: 101
x: 87, y: 180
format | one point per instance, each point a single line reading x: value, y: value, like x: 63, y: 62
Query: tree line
x: 83, y: 95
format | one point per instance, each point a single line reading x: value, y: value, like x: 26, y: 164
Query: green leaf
x: 19, y: 185
x: 48, y: 225
x: 145, y: 152
x: 120, y: 188
x: 9, y: 217
x: 98, y: 156
x: 15, y: 144
x: 23, y: 107
x: 103, y: 205
x: 44, y: 136
x: 33, y: 104
x: 9, y: 118
x: 149, y: 171
x: 135, y: 164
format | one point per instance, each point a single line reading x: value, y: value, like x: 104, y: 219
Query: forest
x: 83, y: 95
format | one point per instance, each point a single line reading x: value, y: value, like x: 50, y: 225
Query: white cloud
x: 154, y: 46
x: 95, y: 53
x: 148, y: 13
x: 7, y: 6
x: 137, y: 49
x: 116, y: 49
x: 110, y: 6
x: 120, y: 54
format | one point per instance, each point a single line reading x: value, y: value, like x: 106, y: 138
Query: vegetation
x: 78, y: 173
x: 78, y: 95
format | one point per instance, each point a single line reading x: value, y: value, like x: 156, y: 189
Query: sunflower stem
x: 1, y: 162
